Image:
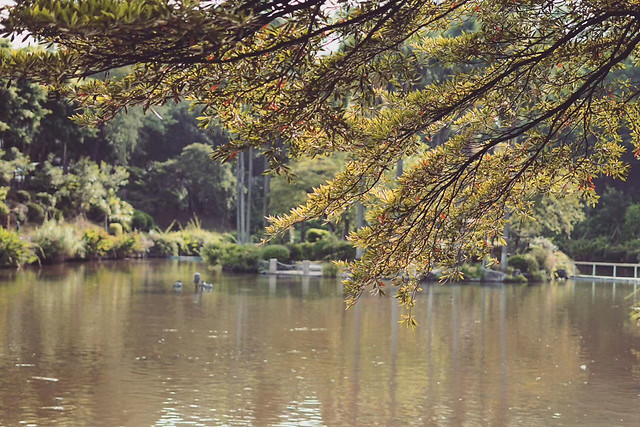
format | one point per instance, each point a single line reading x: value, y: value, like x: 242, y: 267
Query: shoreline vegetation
x: 57, y: 241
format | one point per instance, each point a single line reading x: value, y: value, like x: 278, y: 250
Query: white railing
x: 599, y: 270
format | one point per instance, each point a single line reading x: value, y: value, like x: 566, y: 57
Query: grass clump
x: 57, y: 242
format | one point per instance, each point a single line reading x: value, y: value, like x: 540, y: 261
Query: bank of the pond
x: 57, y: 242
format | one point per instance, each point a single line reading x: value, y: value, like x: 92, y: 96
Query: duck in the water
x: 177, y: 285
x: 206, y: 285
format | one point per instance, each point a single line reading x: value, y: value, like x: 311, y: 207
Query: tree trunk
x: 240, y: 217
x: 249, y: 198
x: 359, y: 225
x: 504, y: 251
x: 265, y: 205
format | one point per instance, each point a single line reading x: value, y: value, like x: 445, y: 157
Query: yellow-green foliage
x: 115, y: 229
x: 4, y: 209
x: 97, y: 242
x: 14, y: 252
x: 129, y: 245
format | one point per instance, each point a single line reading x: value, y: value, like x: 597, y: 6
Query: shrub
x: 23, y: 196
x: 46, y: 199
x: 515, y: 279
x: 164, y: 244
x: 35, y: 213
x: 57, y: 242
x: 538, y: 276
x: 330, y: 270
x: 14, y: 252
x: 562, y: 261
x: 544, y: 258
x: 115, y: 229
x: 241, y: 258
x: 471, y: 272
x: 331, y: 249
x: 527, y: 264
x: 315, y: 234
x: 212, y: 252
x: 142, y: 221
x: 97, y: 243
x: 127, y: 246
x: 280, y: 252
x: 194, y: 237
x: 301, y: 251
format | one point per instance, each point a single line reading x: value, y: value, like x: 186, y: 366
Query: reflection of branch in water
x: 635, y: 313
x: 635, y: 370
x: 635, y: 291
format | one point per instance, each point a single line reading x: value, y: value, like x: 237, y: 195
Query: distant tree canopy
x: 533, y: 103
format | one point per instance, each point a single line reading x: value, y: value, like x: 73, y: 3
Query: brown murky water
x: 113, y: 344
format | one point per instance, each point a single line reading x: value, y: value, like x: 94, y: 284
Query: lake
x: 114, y: 344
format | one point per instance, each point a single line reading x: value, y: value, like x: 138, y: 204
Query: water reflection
x: 114, y: 344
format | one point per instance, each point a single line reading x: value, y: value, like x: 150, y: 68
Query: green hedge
x: 280, y: 252
x: 527, y: 264
x: 241, y: 258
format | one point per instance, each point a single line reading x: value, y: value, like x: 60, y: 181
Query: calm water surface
x: 113, y: 344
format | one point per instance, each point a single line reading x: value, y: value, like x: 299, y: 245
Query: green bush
x: 35, y: 213
x: 164, y: 244
x: 471, y: 272
x: 23, y: 196
x: 330, y: 270
x: 194, y: 237
x: 589, y: 249
x: 527, y: 264
x: 46, y: 199
x: 127, y: 246
x: 57, y: 242
x: 544, y: 258
x: 331, y: 249
x: 538, y: 276
x: 301, y: 251
x: 241, y: 258
x: 280, y: 252
x: 115, y: 229
x: 515, y: 279
x: 315, y: 234
x: 14, y: 252
x: 142, y: 221
x: 97, y: 243
x: 212, y: 252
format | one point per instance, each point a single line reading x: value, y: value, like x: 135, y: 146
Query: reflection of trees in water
x: 260, y: 348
